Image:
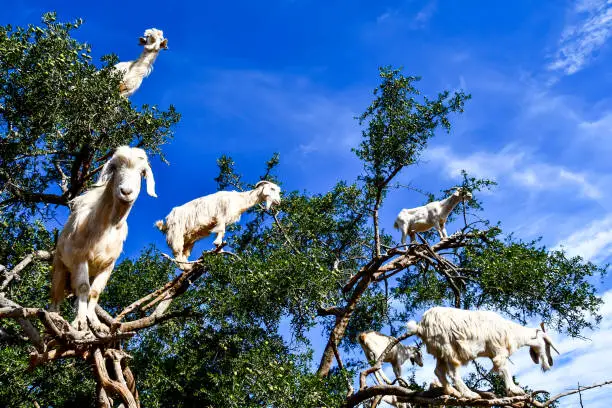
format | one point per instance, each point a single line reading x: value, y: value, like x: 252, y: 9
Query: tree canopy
x: 319, y: 260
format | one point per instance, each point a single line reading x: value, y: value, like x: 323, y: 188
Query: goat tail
x: 412, y: 328
x: 160, y: 225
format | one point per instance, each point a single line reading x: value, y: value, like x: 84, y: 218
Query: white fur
x: 135, y: 71
x: 199, y: 218
x: 374, y: 343
x: 432, y: 215
x: 93, y: 236
x: 456, y: 336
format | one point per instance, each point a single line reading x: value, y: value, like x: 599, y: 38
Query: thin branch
x: 576, y: 391
x: 14, y: 273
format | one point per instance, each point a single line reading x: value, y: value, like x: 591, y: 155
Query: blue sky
x: 251, y: 78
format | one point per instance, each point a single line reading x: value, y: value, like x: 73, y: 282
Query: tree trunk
x: 342, y: 322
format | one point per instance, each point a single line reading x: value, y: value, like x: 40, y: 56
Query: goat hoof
x: 514, y: 391
x: 470, y: 395
x: 80, y: 324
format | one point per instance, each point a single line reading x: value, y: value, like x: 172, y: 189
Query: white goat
x: 432, y: 215
x: 203, y: 216
x: 135, y: 71
x: 455, y: 337
x: 93, y: 236
x: 374, y: 343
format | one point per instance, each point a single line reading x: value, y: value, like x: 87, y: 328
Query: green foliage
x: 399, y: 126
x: 195, y: 365
x: 526, y: 280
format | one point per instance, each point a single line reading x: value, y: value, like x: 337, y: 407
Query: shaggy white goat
x: 374, y: 343
x: 135, y: 71
x: 93, y: 236
x: 455, y: 337
x: 203, y: 216
x: 432, y: 215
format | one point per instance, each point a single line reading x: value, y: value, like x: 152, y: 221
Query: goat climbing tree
x: 321, y: 267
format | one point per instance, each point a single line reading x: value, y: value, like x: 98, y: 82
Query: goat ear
x: 142, y: 41
x: 106, y: 173
x: 150, y: 181
x: 534, y: 355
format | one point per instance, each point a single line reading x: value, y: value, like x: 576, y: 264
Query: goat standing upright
x: 203, y: 216
x: 456, y: 336
x: 135, y: 71
x: 432, y: 215
x: 93, y: 236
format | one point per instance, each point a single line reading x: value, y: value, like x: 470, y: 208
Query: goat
x: 203, y: 216
x: 374, y: 343
x: 92, y: 239
x: 135, y: 71
x: 432, y: 215
x: 456, y: 336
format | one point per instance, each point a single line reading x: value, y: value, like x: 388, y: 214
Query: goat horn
x: 550, y: 343
x: 542, y: 326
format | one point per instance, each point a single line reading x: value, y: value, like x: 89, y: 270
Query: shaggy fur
x: 374, y: 343
x: 432, y: 215
x: 93, y: 236
x: 135, y: 71
x: 203, y: 216
x: 455, y: 337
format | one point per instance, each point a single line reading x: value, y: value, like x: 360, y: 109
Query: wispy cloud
x: 589, y: 30
x: 593, y: 242
x: 404, y: 17
x: 315, y: 119
x: 421, y: 19
x: 511, y: 164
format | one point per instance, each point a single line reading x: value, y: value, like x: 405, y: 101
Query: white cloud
x: 591, y: 28
x: 515, y: 166
x: 594, y: 242
x: 424, y: 15
x: 291, y: 105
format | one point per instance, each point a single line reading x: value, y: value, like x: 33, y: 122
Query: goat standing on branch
x: 374, y: 343
x: 456, y: 336
x: 93, y: 236
x: 203, y: 216
x: 432, y: 215
x: 135, y: 71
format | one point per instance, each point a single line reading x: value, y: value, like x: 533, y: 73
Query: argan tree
x: 237, y: 329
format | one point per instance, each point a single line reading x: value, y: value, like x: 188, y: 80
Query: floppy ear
x: 150, y: 181
x: 142, y: 41
x: 106, y: 173
x: 534, y: 356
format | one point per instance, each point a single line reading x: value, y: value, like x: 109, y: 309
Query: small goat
x: 203, y: 216
x: 432, y: 215
x: 93, y: 236
x: 135, y: 71
x: 456, y: 336
x: 374, y: 343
